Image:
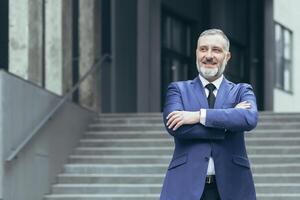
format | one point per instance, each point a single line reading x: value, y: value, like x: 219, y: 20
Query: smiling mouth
x: 209, y: 64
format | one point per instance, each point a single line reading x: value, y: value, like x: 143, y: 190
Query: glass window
x: 284, y: 52
x: 176, y: 49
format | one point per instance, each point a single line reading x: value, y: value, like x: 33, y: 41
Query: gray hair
x: 216, y: 32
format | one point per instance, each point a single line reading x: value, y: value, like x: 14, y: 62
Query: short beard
x: 209, y: 73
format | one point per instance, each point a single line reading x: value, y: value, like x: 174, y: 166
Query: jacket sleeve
x: 196, y: 131
x: 235, y: 119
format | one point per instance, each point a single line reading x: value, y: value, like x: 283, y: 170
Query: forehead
x: 212, y: 40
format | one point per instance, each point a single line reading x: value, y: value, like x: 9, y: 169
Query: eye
x: 217, y: 50
x: 202, y: 49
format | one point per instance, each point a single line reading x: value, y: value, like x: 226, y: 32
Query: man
x: 207, y: 117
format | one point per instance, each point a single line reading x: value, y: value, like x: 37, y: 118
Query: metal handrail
x: 99, y: 62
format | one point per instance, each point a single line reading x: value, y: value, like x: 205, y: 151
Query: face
x: 211, y: 56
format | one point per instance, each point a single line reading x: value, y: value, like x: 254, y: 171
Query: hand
x: 243, y: 105
x: 178, y: 118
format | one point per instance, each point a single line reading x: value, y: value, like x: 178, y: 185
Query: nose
x: 208, y: 54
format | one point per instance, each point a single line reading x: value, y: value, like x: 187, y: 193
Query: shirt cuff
x: 202, y: 116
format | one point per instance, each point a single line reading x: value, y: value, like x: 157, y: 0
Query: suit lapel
x: 199, y: 93
x: 222, y: 94
x: 201, y: 97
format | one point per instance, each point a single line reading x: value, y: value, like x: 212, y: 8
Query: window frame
x: 283, y: 64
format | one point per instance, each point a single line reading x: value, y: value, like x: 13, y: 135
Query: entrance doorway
x: 176, y: 50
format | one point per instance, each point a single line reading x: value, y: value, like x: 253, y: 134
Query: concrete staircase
x: 125, y: 156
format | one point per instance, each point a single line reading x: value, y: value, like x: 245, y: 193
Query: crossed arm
x: 186, y: 124
x: 178, y: 118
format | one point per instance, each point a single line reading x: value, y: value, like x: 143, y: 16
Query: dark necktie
x: 211, y: 97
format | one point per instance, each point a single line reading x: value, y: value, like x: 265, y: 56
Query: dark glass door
x: 176, y: 50
x: 4, y: 34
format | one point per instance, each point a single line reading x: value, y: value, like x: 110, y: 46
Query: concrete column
x: 148, y: 56
x: 58, y: 49
x: 25, y: 39
x: 269, y: 55
x: 35, y: 55
x: 89, y: 51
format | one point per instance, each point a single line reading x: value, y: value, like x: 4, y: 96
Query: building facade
x: 287, y: 37
x: 52, y: 43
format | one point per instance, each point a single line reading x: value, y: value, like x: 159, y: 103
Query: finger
x: 171, y: 114
x: 179, y: 124
x: 173, y: 117
x: 174, y: 122
x: 245, y: 106
x: 242, y: 106
x: 243, y: 102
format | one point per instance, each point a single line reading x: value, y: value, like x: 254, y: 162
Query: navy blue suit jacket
x: 222, y: 137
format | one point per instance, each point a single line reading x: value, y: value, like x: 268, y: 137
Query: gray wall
x: 22, y: 106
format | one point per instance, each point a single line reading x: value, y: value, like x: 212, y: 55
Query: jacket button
x: 206, y: 158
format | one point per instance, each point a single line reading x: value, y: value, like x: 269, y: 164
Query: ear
x: 228, y: 56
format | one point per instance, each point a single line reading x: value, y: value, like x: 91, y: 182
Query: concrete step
x: 111, y: 178
x: 161, y: 127
x: 252, y: 150
x: 133, y: 118
x: 277, y: 188
x: 262, y: 114
x: 115, y: 168
x: 272, y: 125
x: 124, y: 151
x: 278, y: 114
x: 129, y: 120
x: 161, y: 168
x: 277, y: 178
x: 281, y: 196
x: 273, y: 133
x: 126, y: 142
x: 128, y: 115
x: 168, y: 142
x: 123, y: 159
x: 126, y: 134
x: 159, y: 119
x: 275, y: 159
x: 271, y: 141
x: 276, y: 168
x: 273, y: 150
x: 158, y: 178
x: 164, y: 159
x: 279, y: 119
x: 106, y: 188
x: 102, y: 197
x: 164, y: 134
x: 126, y: 127
x: 154, y: 188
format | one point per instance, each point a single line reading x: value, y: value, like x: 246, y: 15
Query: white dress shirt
x: 217, y: 83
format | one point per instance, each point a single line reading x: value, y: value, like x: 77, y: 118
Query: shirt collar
x: 217, y: 82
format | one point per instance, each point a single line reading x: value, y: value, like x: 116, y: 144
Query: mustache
x: 209, y: 62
